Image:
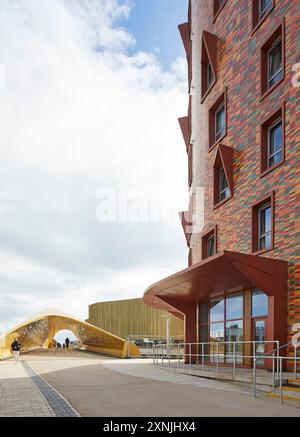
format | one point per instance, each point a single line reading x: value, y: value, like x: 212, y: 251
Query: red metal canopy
x: 217, y: 274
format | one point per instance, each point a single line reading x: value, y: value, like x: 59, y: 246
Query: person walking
x: 16, y: 347
x: 67, y: 342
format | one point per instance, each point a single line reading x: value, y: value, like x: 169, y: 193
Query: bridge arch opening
x: 62, y: 335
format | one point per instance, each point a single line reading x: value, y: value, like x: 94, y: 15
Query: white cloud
x: 79, y: 112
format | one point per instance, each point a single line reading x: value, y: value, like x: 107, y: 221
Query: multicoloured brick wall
x: 238, y: 56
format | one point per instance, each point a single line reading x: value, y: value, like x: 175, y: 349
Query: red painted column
x: 277, y: 319
x: 189, y: 310
x: 190, y: 332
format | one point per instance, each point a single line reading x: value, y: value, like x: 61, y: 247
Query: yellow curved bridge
x: 40, y: 330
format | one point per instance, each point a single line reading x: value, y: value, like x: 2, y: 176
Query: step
x: 287, y: 398
x: 288, y: 392
x: 294, y: 381
x: 261, y: 380
x: 291, y: 387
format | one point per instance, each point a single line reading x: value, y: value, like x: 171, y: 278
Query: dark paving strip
x: 59, y: 405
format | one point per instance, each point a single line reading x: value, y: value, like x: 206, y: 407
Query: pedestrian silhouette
x: 16, y: 347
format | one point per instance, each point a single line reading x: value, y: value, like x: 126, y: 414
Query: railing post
x: 169, y: 353
x: 153, y: 352
x: 202, y: 356
x: 273, y: 373
x: 280, y: 370
x: 295, y: 363
x: 162, y: 355
x: 178, y: 355
x: 217, y: 357
x: 234, y: 359
x: 190, y: 355
x: 278, y: 356
x: 254, y: 377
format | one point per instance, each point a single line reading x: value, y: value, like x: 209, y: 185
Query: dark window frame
x: 270, y: 51
x: 205, y: 238
x: 262, y: 235
x: 262, y: 315
x: 220, y: 133
x: 258, y: 20
x: 278, y: 114
x: 220, y: 101
x: 210, y: 76
x: 255, y: 224
x: 217, y: 8
x: 274, y: 37
x: 207, y: 325
x: 223, y: 160
x: 208, y: 63
x: 226, y: 190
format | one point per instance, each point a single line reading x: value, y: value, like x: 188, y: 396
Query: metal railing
x: 227, y: 354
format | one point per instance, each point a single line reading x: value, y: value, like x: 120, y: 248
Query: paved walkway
x: 24, y: 393
x: 49, y: 384
x: 19, y: 396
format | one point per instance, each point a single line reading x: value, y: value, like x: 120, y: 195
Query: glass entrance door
x: 259, y: 334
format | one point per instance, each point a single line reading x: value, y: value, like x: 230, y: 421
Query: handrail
x: 171, y: 352
x: 276, y: 350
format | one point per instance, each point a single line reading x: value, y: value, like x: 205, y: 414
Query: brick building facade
x: 242, y: 139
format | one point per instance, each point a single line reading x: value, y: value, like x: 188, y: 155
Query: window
x: 262, y: 226
x: 208, y: 63
x: 221, y: 320
x: 259, y: 303
x: 218, y: 121
x: 209, y: 244
x: 273, y: 141
x: 223, y: 184
x: 263, y: 7
x: 265, y: 222
x: 210, y: 75
x: 234, y: 335
x: 275, y: 63
x: 217, y: 308
x: 260, y: 10
x: 234, y: 306
x: 218, y: 5
x: 223, y: 175
x: 272, y: 61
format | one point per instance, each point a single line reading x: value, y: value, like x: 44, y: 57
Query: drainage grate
x: 58, y: 403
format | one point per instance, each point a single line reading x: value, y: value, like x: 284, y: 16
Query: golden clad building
x: 133, y: 320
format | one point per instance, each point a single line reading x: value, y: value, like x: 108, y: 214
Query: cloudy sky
x: 89, y: 96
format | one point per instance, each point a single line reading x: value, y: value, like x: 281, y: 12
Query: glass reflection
x: 217, y: 337
x: 259, y: 303
x: 217, y: 307
x: 234, y: 334
x: 234, y: 306
x: 260, y: 327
